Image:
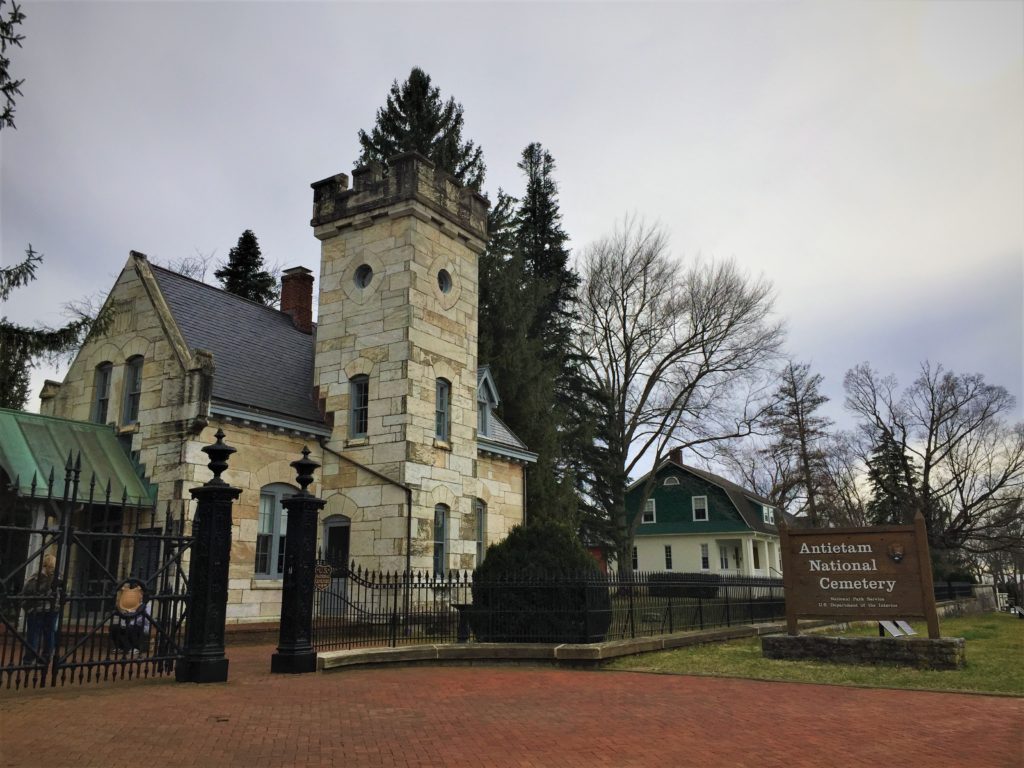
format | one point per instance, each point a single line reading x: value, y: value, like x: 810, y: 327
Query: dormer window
x: 768, y: 515
x: 483, y: 418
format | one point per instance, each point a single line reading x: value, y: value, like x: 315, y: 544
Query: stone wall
x: 919, y: 652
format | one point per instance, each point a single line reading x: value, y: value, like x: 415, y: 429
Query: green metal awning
x: 31, y: 446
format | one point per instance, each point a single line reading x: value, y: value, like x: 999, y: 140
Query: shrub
x: 703, y: 585
x: 539, y: 585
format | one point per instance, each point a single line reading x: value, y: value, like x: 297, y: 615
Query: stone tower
x: 396, y: 359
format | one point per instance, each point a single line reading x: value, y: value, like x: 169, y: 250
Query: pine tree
x: 244, y: 275
x: 891, y: 478
x: 415, y: 119
x: 9, y: 36
x: 21, y: 346
x: 526, y: 312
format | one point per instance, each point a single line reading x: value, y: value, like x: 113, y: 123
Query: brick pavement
x: 500, y: 717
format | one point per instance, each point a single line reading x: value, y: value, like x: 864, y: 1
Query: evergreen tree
x: 526, y: 312
x: 9, y: 36
x: 891, y: 478
x: 414, y: 118
x: 21, y: 346
x: 244, y: 275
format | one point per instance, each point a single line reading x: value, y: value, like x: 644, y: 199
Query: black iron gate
x: 92, y: 588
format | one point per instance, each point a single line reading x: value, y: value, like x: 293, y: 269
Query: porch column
x: 748, y: 556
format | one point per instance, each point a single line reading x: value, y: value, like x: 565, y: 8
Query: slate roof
x: 263, y: 363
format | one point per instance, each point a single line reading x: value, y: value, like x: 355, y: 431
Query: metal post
x: 295, y: 648
x: 204, y: 660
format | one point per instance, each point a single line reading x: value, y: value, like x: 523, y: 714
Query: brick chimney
x: 297, y: 297
x: 676, y: 455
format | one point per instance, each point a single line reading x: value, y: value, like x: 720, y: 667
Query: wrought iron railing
x: 357, y: 608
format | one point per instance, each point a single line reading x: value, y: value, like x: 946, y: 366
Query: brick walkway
x: 489, y: 717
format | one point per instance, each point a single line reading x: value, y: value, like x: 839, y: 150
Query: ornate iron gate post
x: 295, y: 648
x: 204, y: 660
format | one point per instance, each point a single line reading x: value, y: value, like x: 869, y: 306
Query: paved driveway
x: 484, y: 717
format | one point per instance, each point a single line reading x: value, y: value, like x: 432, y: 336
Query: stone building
x: 385, y: 389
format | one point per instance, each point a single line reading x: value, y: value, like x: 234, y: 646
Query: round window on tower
x: 444, y: 281
x: 364, y: 274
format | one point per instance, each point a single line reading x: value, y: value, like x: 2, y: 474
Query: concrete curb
x: 568, y: 653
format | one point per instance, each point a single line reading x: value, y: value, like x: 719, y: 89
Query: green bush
x: 704, y: 585
x: 539, y: 585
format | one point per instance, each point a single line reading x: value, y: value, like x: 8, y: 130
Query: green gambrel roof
x: 32, y: 445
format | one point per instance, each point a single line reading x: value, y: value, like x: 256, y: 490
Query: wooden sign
x: 883, y: 572
x: 322, y: 577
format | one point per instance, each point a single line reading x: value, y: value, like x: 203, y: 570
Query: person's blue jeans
x: 41, y: 627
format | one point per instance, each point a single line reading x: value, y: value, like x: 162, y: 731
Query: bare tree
x: 679, y: 354
x: 968, y: 463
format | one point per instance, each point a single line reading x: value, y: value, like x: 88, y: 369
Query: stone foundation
x: 922, y: 653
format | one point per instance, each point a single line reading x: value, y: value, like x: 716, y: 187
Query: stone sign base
x: 923, y: 653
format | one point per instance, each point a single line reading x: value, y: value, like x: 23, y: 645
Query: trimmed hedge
x: 704, y: 585
x: 539, y: 585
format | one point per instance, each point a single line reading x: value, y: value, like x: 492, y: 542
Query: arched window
x: 101, y: 399
x: 272, y: 530
x: 672, y: 480
x: 132, y: 389
x: 359, y: 400
x: 440, y: 539
x: 443, y: 408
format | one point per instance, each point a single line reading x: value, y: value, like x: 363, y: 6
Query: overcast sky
x: 867, y: 157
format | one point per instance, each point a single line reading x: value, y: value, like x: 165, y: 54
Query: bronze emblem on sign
x: 896, y: 552
x: 322, y: 577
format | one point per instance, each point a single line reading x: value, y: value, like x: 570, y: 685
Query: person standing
x: 41, y: 611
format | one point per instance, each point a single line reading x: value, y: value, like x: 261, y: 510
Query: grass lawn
x: 995, y: 660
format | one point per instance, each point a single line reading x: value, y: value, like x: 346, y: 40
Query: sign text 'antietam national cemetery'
x: 883, y: 572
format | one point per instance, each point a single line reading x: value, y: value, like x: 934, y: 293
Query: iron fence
x: 953, y: 590
x: 65, y: 556
x: 356, y: 608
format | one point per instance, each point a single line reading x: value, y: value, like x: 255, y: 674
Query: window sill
x: 443, y: 445
x: 128, y: 429
x: 267, y: 582
x: 355, y: 442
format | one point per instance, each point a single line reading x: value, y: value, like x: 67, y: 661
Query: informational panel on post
x: 882, y: 572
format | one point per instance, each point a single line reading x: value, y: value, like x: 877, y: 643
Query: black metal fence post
x: 204, y: 660
x: 295, y: 653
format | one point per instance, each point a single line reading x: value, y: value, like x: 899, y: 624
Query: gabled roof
x: 485, y: 385
x: 742, y: 499
x: 263, y: 363
x: 33, y: 445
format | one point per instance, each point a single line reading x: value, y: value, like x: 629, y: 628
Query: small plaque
x: 322, y: 577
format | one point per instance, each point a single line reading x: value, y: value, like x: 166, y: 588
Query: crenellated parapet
x: 406, y: 177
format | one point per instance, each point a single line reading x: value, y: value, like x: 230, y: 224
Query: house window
x: 359, y: 400
x: 483, y: 425
x: 769, y: 515
x: 272, y: 530
x: 443, y: 407
x: 102, y: 382
x: 700, y: 508
x: 636, y: 560
x: 671, y: 481
x: 132, y: 389
x: 668, y: 557
x: 723, y: 558
x: 440, y: 539
x: 480, y: 507
x: 705, y: 557
x: 649, y: 516
x: 757, y: 557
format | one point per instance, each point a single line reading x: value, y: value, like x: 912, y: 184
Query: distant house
x: 696, y: 521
